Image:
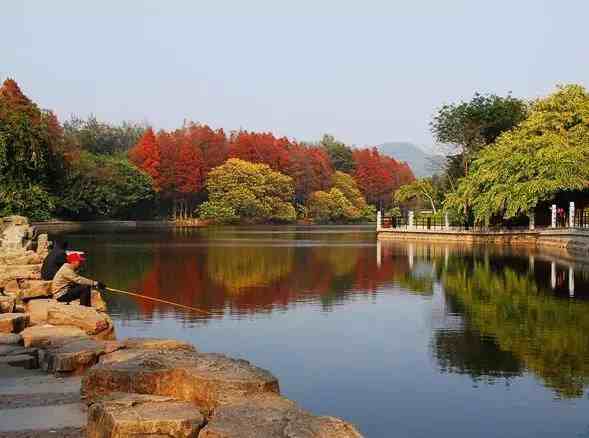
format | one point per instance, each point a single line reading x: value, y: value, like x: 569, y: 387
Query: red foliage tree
x: 310, y: 168
x: 378, y: 176
x: 261, y: 148
x: 146, y: 155
x: 212, y: 144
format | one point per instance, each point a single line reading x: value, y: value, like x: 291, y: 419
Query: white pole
x: 572, y: 215
x: 553, y: 216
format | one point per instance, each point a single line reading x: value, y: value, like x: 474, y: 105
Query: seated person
x: 68, y: 285
x: 54, y: 260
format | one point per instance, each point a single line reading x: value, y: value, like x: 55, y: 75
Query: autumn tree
x: 261, y: 148
x: 31, y: 143
x: 249, y: 192
x: 378, y: 176
x: 146, y: 155
x: 310, y: 168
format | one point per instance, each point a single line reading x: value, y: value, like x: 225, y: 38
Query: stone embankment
x: 64, y: 374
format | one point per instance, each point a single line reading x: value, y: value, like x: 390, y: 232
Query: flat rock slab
x: 10, y: 339
x: 26, y: 361
x: 208, y: 380
x: 144, y: 417
x: 43, y: 417
x: 46, y: 336
x: 156, y: 344
x: 13, y: 322
x: 272, y: 416
x: 76, y: 356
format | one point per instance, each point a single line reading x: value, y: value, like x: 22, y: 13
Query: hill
x: 422, y: 163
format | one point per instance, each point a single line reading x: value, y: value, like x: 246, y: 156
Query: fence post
x: 572, y: 214
x: 553, y: 216
x: 411, y: 220
x: 446, y: 221
x: 532, y: 220
x: 378, y: 221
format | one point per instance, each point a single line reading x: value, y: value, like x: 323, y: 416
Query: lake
x: 403, y: 340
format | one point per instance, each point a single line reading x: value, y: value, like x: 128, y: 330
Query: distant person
x: 68, y: 285
x: 56, y: 258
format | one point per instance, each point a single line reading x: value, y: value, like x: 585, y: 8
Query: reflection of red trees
x: 327, y: 273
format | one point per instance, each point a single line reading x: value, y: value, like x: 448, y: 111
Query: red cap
x: 75, y: 257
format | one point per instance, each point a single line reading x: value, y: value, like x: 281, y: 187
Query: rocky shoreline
x: 64, y: 362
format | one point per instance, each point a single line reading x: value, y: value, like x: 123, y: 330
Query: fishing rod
x: 133, y: 294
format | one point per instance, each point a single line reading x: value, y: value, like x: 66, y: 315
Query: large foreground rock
x: 137, y: 415
x: 94, y: 323
x: 75, y: 355
x: 49, y: 336
x: 208, y: 380
x: 13, y: 322
x: 27, y: 289
x: 48, y: 311
x: 272, y: 416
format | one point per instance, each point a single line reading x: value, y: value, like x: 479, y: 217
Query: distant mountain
x: 422, y: 164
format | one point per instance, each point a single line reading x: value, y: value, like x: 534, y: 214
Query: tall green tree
x: 467, y: 127
x: 547, y: 153
x: 100, y: 137
x: 340, y: 155
x: 422, y: 189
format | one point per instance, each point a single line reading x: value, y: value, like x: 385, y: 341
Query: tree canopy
x: 545, y: 154
x: 240, y: 190
x: 469, y: 126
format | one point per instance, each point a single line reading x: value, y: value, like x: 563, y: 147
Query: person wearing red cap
x: 68, y: 285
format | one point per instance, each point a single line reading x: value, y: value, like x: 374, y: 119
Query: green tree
x: 102, y: 138
x: 31, y: 143
x: 547, y: 153
x: 248, y: 192
x: 347, y: 185
x: 104, y: 186
x: 470, y: 126
x: 422, y: 189
x: 332, y: 206
x: 340, y: 155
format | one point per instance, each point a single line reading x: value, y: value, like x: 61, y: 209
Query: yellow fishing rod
x: 133, y: 294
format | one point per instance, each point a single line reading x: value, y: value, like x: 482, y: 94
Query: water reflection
x: 497, y: 313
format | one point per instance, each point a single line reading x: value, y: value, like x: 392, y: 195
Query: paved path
x: 35, y: 404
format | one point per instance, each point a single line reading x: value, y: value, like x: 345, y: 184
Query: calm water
x: 404, y: 340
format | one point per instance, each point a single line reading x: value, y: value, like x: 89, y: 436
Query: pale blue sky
x: 366, y: 71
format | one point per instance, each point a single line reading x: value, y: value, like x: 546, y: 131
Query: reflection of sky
x: 358, y: 344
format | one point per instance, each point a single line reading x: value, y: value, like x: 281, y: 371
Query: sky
x: 365, y: 71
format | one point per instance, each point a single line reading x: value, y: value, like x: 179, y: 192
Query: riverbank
x: 574, y: 241
x: 120, y: 388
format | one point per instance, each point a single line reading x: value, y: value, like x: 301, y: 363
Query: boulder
x: 96, y: 301
x: 86, y: 318
x: 21, y: 258
x: 206, y: 379
x: 156, y: 344
x: 7, y: 304
x: 10, y: 339
x: 46, y: 336
x: 11, y: 272
x: 273, y: 416
x: 15, y: 232
x: 75, y: 356
x: 13, y: 322
x: 37, y: 309
x: 27, y: 289
x: 140, y: 416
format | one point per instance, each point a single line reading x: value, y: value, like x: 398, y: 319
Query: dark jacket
x: 54, y: 260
